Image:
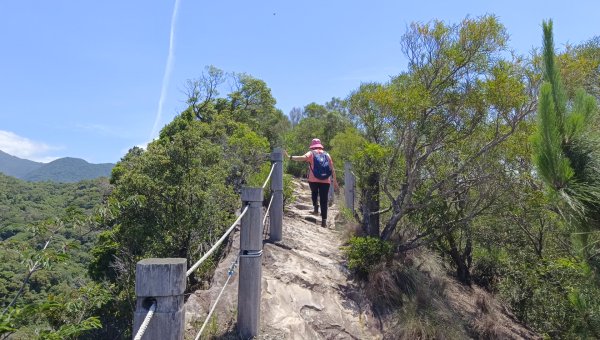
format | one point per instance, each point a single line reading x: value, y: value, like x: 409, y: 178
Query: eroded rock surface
x: 306, y: 293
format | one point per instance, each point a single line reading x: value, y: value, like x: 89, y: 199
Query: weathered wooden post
x: 162, y: 281
x: 249, y: 287
x: 276, y: 213
x: 349, y: 186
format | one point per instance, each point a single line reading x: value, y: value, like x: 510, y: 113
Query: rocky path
x: 305, y: 289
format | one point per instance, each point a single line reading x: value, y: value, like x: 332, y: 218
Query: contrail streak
x: 167, y: 74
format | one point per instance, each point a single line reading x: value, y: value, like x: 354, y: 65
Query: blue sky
x: 91, y: 79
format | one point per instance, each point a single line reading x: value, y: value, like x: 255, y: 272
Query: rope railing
x: 166, y: 277
x: 269, y: 176
x: 229, y: 275
x: 217, y: 244
x: 267, y: 211
x: 140, y: 332
x: 265, y: 232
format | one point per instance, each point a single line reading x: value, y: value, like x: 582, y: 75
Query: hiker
x: 320, y: 172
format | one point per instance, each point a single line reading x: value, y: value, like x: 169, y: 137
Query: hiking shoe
x: 324, y: 223
x: 316, y: 211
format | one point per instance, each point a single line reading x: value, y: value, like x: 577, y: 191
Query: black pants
x: 322, y: 191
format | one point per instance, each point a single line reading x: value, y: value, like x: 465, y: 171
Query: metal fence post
x: 349, y: 181
x: 276, y: 213
x: 249, y: 288
x: 162, y: 281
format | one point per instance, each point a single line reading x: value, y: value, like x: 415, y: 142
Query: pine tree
x: 566, y: 147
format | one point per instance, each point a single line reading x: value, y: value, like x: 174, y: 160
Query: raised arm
x: 302, y: 158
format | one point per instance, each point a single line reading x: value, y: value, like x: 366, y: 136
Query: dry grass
x: 488, y: 328
x: 426, y: 317
x: 383, y: 288
x: 418, y: 300
x: 483, y: 303
x: 410, y: 292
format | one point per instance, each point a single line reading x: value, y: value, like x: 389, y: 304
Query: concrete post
x: 163, y: 281
x: 249, y: 287
x: 349, y: 181
x: 276, y: 213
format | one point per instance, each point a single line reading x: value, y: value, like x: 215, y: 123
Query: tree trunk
x: 463, y: 272
x: 462, y: 261
x: 373, y: 202
x: 370, y: 205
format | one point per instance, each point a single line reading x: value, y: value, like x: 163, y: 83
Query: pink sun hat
x: 316, y: 144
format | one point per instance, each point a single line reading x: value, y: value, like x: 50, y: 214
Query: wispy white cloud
x: 167, y: 74
x: 26, y: 148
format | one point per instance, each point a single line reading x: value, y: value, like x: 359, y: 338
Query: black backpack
x: 322, y: 167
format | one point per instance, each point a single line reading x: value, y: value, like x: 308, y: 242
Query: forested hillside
x: 68, y: 170
x: 444, y: 157
x: 63, y: 170
x: 46, y: 236
x: 15, y: 166
x: 484, y: 158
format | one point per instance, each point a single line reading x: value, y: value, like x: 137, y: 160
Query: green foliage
x: 258, y: 180
x: 46, y: 233
x: 553, y: 165
x: 298, y: 140
x: 63, y: 170
x: 443, y: 160
x: 345, y: 145
x: 580, y: 67
x: 364, y: 253
x: 288, y: 189
x: 459, y: 100
x: 368, y: 159
x: 488, y: 267
x: 529, y: 288
x: 68, y: 170
x: 323, y: 122
x: 72, y: 331
x: 447, y: 148
x: 253, y: 105
x: 178, y: 196
x: 566, y: 150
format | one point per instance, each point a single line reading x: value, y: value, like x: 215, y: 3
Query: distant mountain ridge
x: 64, y: 170
x: 15, y: 166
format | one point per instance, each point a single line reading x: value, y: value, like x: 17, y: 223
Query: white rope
x: 269, y: 177
x: 140, y: 332
x: 268, y: 210
x: 197, y: 264
x: 230, y: 274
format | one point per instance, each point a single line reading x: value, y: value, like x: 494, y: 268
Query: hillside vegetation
x: 68, y: 170
x: 15, y: 166
x: 62, y: 170
x: 45, y: 239
x: 483, y: 158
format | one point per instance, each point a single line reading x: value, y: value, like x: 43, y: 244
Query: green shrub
x: 364, y: 253
x: 288, y: 189
x: 257, y: 180
x: 488, y: 268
